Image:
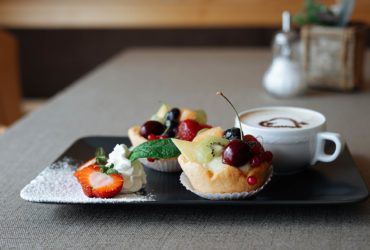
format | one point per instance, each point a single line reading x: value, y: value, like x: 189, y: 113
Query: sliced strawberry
x: 83, y: 177
x: 97, y: 184
x: 106, y: 186
x: 91, y: 162
x: 188, y: 129
x: 86, y: 164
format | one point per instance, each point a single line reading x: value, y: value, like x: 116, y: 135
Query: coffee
x: 282, y: 122
x: 282, y: 118
x: 295, y: 136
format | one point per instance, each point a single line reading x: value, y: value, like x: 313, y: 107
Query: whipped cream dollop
x: 133, y: 172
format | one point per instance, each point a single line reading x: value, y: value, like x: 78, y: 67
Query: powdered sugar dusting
x: 56, y: 184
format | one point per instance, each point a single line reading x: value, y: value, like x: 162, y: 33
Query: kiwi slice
x: 209, y: 148
x: 203, y: 151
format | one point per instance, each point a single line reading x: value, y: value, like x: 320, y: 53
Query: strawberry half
x: 90, y: 162
x: 188, y: 129
x: 94, y: 183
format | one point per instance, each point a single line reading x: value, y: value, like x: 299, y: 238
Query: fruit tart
x: 180, y: 123
x: 106, y: 177
x: 221, y: 164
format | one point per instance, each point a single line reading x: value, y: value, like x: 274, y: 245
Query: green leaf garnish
x: 159, y: 149
x: 101, y: 158
x: 111, y: 171
x: 108, y: 169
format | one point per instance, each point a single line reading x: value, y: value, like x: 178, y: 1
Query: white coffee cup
x: 295, y: 136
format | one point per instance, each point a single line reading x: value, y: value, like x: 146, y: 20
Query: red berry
x: 151, y: 127
x: 256, y: 148
x: 90, y: 162
x: 188, y: 129
x: 250, y: 138
x: 267, y: 156
x: 153, y: 137
x: 97, y: 184
x: 252, y: 180
x: 236, y: 153
x: 256, y: 161
x: 254, y: 144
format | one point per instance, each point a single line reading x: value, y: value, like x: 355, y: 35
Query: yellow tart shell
x: 228, y: 180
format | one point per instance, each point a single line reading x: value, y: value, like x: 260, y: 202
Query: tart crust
x: 135, y: 137
x: 228, y: 180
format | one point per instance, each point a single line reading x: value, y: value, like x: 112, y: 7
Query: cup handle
x: 320, y: 154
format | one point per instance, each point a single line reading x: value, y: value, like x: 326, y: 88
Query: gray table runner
x: 126, y: 91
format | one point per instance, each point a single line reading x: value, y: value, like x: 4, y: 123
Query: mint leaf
x: 100, y: 156
x: 108, y: 169
x: 159, y: 149
x: 103, y: 168
x: 111, y: 171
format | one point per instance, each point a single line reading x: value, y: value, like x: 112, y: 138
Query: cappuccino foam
x: 286, y: 118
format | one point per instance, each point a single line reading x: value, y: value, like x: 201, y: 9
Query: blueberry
x: 171, y: 132
x: 232, y: 133
x: 171, y: 128
x: 169, y: 123
x: 173, y: 114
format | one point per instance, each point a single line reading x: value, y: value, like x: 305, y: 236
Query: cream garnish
x: 132, y: 172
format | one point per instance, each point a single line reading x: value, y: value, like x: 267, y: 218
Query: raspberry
x: 267, y: 156
x: 252, y: 180
x: 256, y: 148
x: 250, y: 138
x: 256, y: 161
x: 153, y: 137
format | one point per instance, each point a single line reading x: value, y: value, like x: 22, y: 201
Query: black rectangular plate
x: 338, y: 182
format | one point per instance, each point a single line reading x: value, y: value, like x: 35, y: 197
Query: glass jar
x: 285, y: 76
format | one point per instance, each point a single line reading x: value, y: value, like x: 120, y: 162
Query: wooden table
x: 127, y: 90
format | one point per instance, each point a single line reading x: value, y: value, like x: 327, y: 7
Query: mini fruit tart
x: 168, y: 122
x: 221, y: 164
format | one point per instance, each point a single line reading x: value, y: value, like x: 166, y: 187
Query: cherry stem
x: 236, y: 112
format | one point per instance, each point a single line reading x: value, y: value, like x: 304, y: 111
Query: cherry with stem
x: 236, y: 112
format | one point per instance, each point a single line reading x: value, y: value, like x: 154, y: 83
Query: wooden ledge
x: 152, y: 13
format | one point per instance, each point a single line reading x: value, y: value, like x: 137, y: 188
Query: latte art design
x: 282, y: 122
